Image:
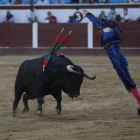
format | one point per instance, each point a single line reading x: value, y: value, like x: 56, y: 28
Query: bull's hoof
x: 138, y: 112
x: 58, y: 111
x: 40, y: 113
x: 14, y: 114
x: 25, y: 110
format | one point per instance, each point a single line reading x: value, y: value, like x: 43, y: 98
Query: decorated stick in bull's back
x: 53, y: 50
x: 48, y: 57
x: 62, y: 42
x: 56, y: 41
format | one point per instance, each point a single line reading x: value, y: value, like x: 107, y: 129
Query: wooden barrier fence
x: 20, y: 35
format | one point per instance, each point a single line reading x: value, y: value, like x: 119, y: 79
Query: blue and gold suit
x: 111, y: 41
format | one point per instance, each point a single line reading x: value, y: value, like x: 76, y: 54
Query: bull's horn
x: 70, y: 69
x: 89, y: 77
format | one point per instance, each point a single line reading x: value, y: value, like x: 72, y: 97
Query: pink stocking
x: 136, y: 93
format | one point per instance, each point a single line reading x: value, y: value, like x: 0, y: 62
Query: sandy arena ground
x: 103, y: 111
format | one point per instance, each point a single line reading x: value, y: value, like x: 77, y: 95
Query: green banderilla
x: 47, y: 57
x: 53, y: 48
x: 58, y: 47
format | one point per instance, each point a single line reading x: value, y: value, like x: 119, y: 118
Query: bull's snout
x: 74, y: 94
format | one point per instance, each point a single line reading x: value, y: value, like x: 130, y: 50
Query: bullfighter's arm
x: 95, y: 20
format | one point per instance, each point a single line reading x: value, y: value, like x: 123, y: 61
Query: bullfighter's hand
x: 85, y: 12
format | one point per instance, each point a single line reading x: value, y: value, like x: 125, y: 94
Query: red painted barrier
x: 4, y: 35
x: 20, y: 35
x: 47, y: 34
x: 15, y: 35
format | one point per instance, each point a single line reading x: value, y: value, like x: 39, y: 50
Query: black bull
x: 60, y: 75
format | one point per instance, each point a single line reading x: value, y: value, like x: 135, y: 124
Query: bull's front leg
x: 58, y: 97
x: 40, y: 99
x: 40, y: 102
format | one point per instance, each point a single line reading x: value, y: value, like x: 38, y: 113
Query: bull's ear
x: 70, y: 68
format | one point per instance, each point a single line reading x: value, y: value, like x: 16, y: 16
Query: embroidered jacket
x: 107, y: 37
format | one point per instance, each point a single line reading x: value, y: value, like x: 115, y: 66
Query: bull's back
x: 29, y: 69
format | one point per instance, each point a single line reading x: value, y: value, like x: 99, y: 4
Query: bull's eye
x: 74, y: 78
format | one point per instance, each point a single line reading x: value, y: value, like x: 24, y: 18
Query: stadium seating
x: 117, y: 1
x: 24, y: 1
x: 66, y: 1
x: 120, y: 1
x: 39, y: 0
x: 114, y: 1
x: 4, y: 1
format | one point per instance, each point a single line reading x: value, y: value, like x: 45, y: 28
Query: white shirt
x: 107, y: 29
x: 126, y: 17
x: 30, y: 14
x: 42, y: 3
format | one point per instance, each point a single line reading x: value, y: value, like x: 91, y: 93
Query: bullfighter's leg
x: 18, y: 93
x: 26, y: 97
x: 120, y: 64
x: 58, y: 97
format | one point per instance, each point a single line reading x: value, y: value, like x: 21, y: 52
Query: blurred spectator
x: 112, y: 14
x: 105, y: 1
x: 9, y: 17
x: 93, y: 1
x: 72, y: 20
x: 50, y: 18
x: 131, y: 1
x: 30, y: 2
x: 30, y: 15
x: 126, y: 17
x: 102, y: 15
x: 42, y: 2
x: 18, y: 2
x: 59, y: 2
x: 138, y: 19
x: 118, y: 18
x: 74, y: 1
x: 10, y: 2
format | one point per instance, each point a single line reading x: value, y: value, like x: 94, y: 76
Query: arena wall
x: 18, y: 38
x: 47, y: 33
x: 20, y: 35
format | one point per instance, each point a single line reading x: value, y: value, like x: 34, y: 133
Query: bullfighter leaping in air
x: 111, y: 41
